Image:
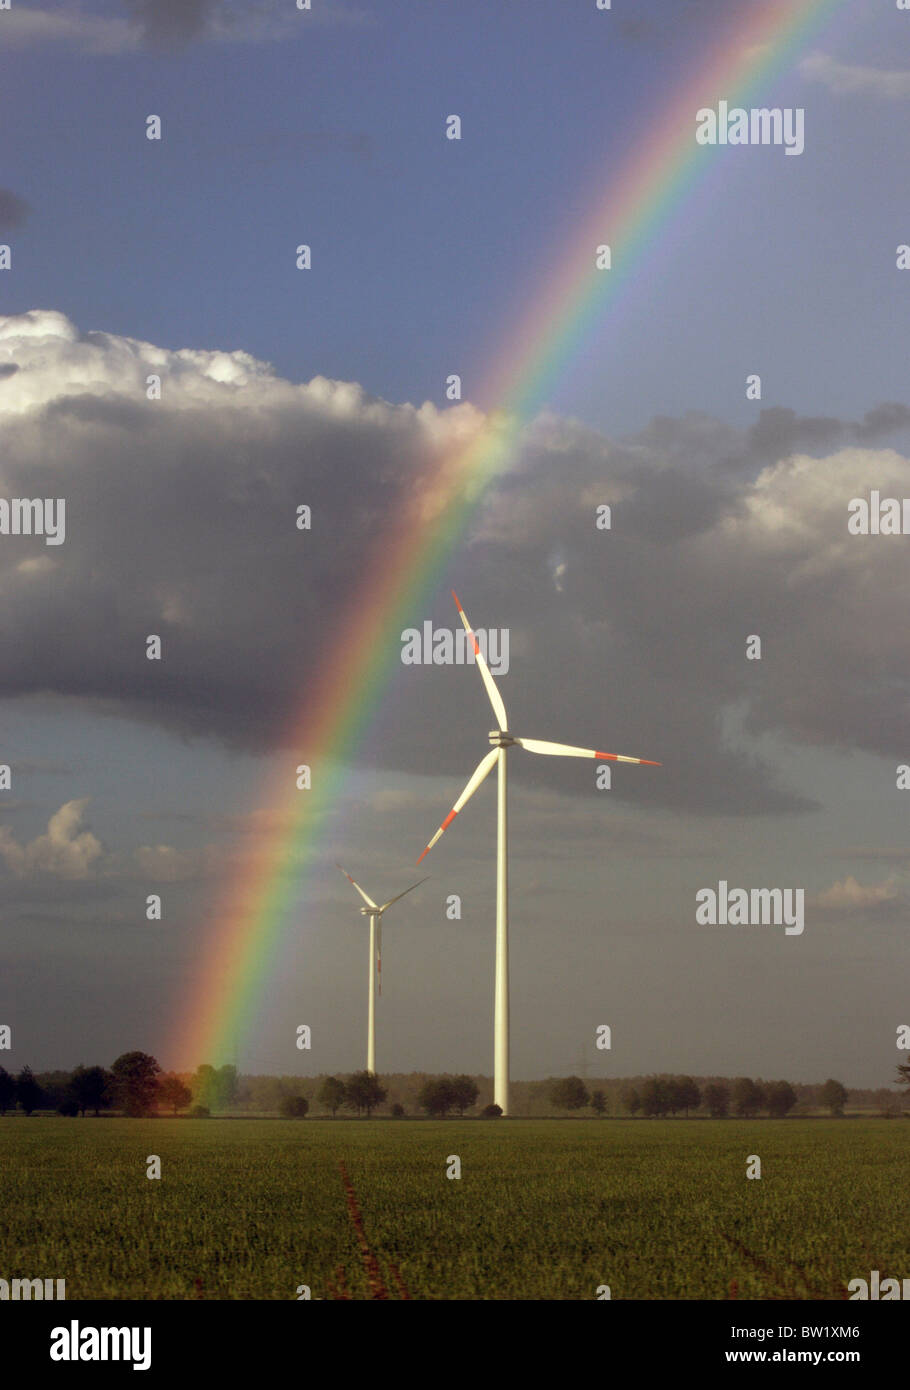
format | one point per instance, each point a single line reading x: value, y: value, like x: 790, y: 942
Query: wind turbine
x: 374, y: 912
x: 502, y: 741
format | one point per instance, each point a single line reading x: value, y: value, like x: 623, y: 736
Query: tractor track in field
x: 338, y: 1288
x: 783, y: 1281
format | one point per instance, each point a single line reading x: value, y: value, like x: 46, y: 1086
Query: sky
x: 177, y: 257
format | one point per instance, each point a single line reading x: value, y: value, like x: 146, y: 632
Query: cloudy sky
x: 176, y: 258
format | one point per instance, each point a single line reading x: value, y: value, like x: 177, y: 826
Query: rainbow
x: 249, y: 925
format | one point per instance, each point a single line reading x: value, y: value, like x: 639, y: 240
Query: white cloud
x: 848, y: 895
x: 24, y: 27
x: 67, y: 850
x: 166, y: 864
x: 855, y: 78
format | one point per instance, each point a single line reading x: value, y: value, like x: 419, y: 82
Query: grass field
x: 544, y: 1209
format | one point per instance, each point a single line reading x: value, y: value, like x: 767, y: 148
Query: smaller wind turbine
x: 374, y: 912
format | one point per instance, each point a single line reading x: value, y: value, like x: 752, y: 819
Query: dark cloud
x: 181, y: 522
x: 13, y: 210
x: 779, y: 431
x: 882, y: 421
x: 44, y: 765
x: 173, y: 23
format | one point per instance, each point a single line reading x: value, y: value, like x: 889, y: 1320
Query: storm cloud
x: 182, y: 523
x: 166, y: 23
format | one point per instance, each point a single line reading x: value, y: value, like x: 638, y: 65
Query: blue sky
x: 429, y: 246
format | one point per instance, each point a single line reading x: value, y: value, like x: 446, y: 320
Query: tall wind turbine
x: 502, y: 740
x: 374, y: 912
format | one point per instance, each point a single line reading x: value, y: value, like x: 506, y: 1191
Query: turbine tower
x: 502, y: 741
x: 374, y: 912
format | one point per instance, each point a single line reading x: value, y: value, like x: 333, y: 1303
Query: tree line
x: 669, y: 1095
x: 136, y: 1085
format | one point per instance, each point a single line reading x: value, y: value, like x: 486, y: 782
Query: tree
x: 437, y: 1096
x: 598, y: 1102
x: 28, y: 1092
x: 68, y: 1107
x: 215, y: 1088
x: 780, y: 1098
x: 655, y: 1096
x: 398, y: 1110
x: 203, y: 1084
x: 7, y: 1091
x: 294, y: 1107
x: 569, y: 1093
x: 834, y: 1095
x: 332, y: 1094
x: 54, y: 1086
x: 491, y: 1112
x: 228, y: 1085
x: 887, y: 1102
x: 135, y: 1082
x: 631, y: 1099
x: 363, y: 1092
x: 673, y: 1094
x: 174, y: 1092
x: 717, y: 1099
x: 464, y: 1089
x: 686, y: 1094
x: 747, y: 1096
x: 89, y: 1087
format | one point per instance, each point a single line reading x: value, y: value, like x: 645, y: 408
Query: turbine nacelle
x: 371, y: 909
x: 501, y: 738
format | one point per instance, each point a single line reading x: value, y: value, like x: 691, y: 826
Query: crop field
x: 253, y: 1209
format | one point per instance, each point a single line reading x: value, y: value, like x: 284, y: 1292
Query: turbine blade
x: 484, y: 767
x: 566, y: 750
x: 486, y: 674
x: 369, y: 901
x: 401, y: 895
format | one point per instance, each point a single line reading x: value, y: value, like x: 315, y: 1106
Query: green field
x: 250, y: 1209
